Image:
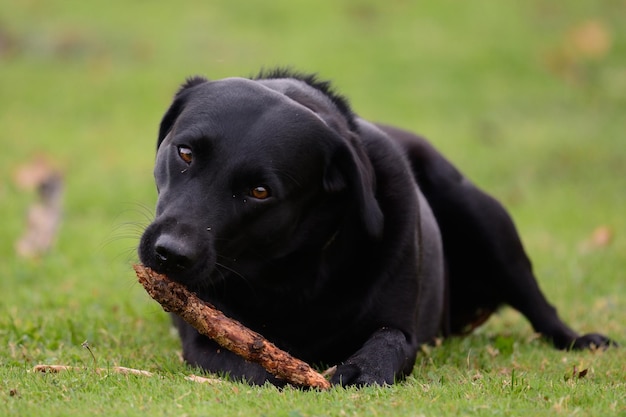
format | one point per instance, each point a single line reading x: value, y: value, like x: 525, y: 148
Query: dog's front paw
x: 591, y: 341
x: 351, y: 374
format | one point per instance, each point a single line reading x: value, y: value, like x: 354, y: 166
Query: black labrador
x: 341, y: 241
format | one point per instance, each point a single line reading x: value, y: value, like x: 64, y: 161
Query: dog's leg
x: 385, y: 357
x: 501, y: 258
x: 486, y: 262
x: 488, y: 265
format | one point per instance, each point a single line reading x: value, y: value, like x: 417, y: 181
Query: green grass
x: 500, y: 87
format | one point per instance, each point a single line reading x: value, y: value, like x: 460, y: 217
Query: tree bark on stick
x: 228, y: 333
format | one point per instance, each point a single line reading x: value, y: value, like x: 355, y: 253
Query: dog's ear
x: 177, y: 107
x: 350, y: 169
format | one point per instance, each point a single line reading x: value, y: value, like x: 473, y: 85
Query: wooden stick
x: 228, y: 333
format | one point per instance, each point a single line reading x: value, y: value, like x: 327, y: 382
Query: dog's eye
x: 185, y: 154
x: 260, y: 193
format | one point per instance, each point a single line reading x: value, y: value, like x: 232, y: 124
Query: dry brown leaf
x: 583, y: 44
x: 592, y: 39
x: 44, y: 215
x: 29, y: 175
x: 54, y: 368
x: 601, y: 237
x: 203, y: 380
x: 492, y: 351
x: 127, y: 371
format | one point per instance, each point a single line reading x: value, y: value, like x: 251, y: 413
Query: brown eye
x: 185, y: 154
x: 260, y: 193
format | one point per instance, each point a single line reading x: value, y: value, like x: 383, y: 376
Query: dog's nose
x: 172, y: 252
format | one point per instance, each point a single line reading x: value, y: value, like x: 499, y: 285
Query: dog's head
x: 252, y: 171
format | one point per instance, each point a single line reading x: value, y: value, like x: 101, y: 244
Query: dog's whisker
x: 220, y: 265
x: 130, y: 229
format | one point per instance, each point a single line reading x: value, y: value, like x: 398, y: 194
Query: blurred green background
x: 527, y: 98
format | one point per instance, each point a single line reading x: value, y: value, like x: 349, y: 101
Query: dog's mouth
x: 195, y: 277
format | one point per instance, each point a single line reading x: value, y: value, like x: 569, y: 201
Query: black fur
x: 368, y: 243
x: 325, y: 87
